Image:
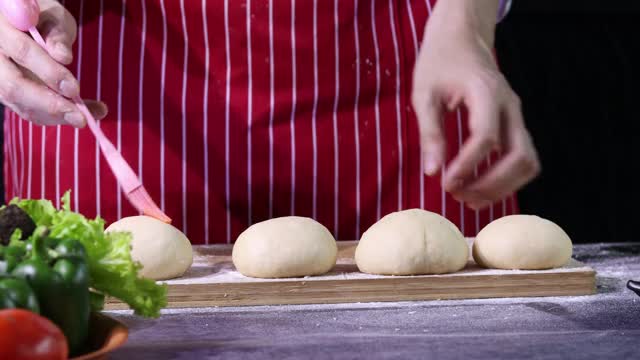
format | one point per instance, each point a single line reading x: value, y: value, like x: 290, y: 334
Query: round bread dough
x: 412, y: 242
x: 523, y: 242
x: 163, y: 251
x: 285, y: 247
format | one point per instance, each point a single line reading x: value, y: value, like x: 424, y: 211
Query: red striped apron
x: 233, y: 112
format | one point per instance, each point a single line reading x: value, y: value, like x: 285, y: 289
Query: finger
x: 24, y: 51
x: 506, y: 177
x: 98, y: 109
x: 35, y: 101
x: 429, y: 113
x: 484, y: 126
x: 479, y: 205
x: 59, y: 30
x: 519, y: 166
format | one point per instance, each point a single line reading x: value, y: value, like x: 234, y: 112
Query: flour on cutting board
x: 615, y: 266
x: 208, y: 269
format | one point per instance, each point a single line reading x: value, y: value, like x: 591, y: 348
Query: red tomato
x: 28, y: 336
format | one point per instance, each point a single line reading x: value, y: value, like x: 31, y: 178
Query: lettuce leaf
x: 16, y: 239
x: 112, y: 270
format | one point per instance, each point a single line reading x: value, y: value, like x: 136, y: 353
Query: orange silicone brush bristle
x: 140, y: 197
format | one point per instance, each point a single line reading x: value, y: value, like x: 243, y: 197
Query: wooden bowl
x: 105, y: 335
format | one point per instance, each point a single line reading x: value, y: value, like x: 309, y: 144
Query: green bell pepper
x: 69, y: 248
x: 6, y: 301
x: 16, y: 293
x: 10, y: 257
x: 60, y: 279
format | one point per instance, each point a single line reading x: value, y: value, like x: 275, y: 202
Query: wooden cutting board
x: 213, y: 281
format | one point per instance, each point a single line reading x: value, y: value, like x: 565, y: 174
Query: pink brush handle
x: 22, y: 14
x: 120, y: 168
x: 123, y: 172
x: 37, y: 37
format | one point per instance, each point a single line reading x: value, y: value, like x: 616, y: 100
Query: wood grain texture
x: 213, y: 281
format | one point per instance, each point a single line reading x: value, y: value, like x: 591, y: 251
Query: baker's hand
x: 456, y: 67
x: 33, y: 81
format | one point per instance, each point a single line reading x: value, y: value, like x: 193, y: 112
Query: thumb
x: 429, y: 113
x: 59, y: 29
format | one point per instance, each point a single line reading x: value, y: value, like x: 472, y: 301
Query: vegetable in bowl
x: 112, y: 272
x: 66, y: 267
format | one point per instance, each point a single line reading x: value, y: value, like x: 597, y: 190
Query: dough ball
x: 164, y: 251
x: 522, y: 242
x: 285, y: 247
x: 412, y: 242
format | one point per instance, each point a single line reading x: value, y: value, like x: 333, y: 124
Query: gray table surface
x: 602, y: 326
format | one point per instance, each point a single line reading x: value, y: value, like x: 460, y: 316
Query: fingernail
x: 472, y: 205
x: 477, y: 205
x: 475, y: 198
x: 431, y: 165
x: 74, y: 119
x: 62, y: 51
x: 69, y: 88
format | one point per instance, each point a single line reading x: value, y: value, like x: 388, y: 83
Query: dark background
x: 574, y: 64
